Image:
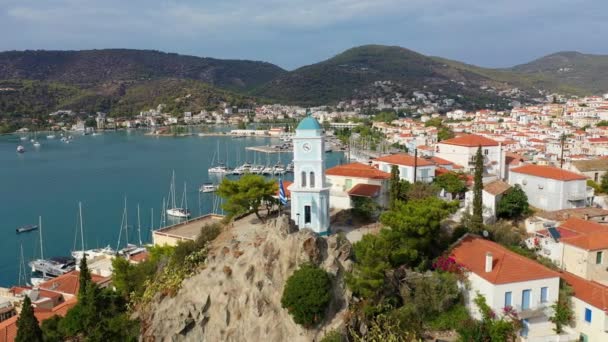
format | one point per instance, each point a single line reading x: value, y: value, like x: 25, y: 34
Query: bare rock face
x: 237, y: 296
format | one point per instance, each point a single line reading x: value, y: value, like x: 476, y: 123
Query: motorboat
x: 24, y: 138
x: 20, y: 149
x: 51, y: 136
x: 178, y: 212
x: 26, y: 228
x: 219, y: 169
x: 36, y: 144
x: 208, y: 187
x: 54, y: 267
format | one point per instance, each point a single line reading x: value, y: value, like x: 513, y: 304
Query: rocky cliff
x: 237, y: 296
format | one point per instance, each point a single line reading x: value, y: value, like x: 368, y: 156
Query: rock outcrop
x: 237, y: 296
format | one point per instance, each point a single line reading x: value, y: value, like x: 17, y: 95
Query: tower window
x: 303, y: 178
x: 312, y: 179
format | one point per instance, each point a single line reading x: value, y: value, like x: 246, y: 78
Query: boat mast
x: 138, y: 226
x: 122, y: 221
x: 81, y: 230
x: 184, y: 198
x: 21, y: 268
x: 40, y: 234
x: 173, y: 190
x: 126, y: 222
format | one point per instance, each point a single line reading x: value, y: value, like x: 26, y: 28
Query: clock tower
x: 309, y: 194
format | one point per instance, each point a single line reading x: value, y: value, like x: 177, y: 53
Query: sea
x: 100, y: 172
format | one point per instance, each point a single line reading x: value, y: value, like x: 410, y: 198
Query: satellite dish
x: 485, y: 234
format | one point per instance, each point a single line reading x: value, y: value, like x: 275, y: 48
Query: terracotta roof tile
x: 548, y: 172
x: 508, y: 267
x: 496, y: 187
x: 69, y: 283
x: 588, y: 291
x: 357, y: 170
x: 365, y: 190
x: 403, y: 159
x: 590, y: 235
x: 470, y: 140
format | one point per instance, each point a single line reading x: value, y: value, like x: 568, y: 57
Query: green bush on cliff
x: 307, y: 295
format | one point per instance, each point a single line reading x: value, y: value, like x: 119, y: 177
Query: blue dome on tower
x: 309, y: 123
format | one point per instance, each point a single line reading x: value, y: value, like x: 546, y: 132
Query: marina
x: 100, y: 170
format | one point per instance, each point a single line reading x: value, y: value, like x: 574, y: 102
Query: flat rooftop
x: 189, y: 229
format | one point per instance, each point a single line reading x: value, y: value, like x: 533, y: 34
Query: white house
x: 356, y: 179
x: 577, y: 246
x: 589, y: 306
x: 551, y: 188
x: 490, y: 196
x: 462, y: 150
x: 507, y: 279
x: 409, y: 167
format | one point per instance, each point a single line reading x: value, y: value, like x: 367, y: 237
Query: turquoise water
x: 100, y: 171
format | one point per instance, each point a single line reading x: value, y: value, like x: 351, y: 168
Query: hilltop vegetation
x: 122, y: 81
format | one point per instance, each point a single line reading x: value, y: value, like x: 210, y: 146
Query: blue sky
x: 293, y: 33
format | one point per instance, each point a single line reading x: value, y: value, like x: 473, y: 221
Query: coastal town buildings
x: 356, y: 180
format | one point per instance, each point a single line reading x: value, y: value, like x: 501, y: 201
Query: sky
x: 294, y: 33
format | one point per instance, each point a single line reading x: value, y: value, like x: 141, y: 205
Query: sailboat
x: 52, y: 267
x: 174, y: 211
x: 220, y: 168
x: 91, y: 253
x: 129, y: 249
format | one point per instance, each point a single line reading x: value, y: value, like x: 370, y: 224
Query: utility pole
x: 415, y: 162
x: 563, y: 139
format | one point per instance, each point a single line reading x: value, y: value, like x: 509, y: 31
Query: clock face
x: 306, y: 147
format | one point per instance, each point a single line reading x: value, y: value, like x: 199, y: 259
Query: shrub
x: 307, y: 295
x: 450, y: 319
x: 333, y: 336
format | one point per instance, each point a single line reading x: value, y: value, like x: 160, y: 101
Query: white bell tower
x: 309, y: 195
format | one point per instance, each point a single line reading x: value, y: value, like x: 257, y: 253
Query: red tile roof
x: 587, y: 235
x: 508, y: 267
x: 403, y: 159
x: 470, y: 140
x: 548, y: 172
x: 8, y: 328
x: 365, y: 190
x: 588, y: 291
x: 357, y: 170
x: 440, y: 161
x: 496, y: 187
x: 69, y: 283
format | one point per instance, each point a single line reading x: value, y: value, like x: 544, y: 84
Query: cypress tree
x: 84, y: 278
x: 394, y: 186
x: 28, y: 329
x: 477, y: 219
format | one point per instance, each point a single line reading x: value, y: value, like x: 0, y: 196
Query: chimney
x: 489, y: 261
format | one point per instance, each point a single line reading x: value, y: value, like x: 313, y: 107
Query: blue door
x: 525, y: 299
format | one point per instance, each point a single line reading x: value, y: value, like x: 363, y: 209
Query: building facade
x: 551, y: 188
x: 410, y: 168
x: 356, y: 179
x: 463, y: 149
x: 309, y: 193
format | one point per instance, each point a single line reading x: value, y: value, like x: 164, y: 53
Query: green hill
x: 352, y: 71
x: 91, y: 67
x: 584, y: 72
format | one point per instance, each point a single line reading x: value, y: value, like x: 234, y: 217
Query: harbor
x: 100, y: 171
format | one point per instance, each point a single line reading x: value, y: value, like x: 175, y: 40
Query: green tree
x: 386, y: 117
x: 563, y: 314
x: 513, y: 204
x: 241, y: 125
x: 28, y: 329
x: 368, y: 277
x: 602, y: 123
x: 247, y: 194
x: 477, y: 219
x: 604, y: 183
x: 364, y: 207
x: 414, y: 226
x: 444, y: 133
x: 419, y: 191
x: 394, y: 186
x: 84, y: 277
x: 451, y: 182
x: 307, y: 295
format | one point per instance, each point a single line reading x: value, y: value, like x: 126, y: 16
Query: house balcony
x: 581, y: 196
x: 535, y: 310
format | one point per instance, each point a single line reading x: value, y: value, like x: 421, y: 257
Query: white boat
x: 257, y: 169
x: 51, y: 136
x: 36, y: 144
x: 24, y: 138
x: 220, y: 168
x: 174, y: 211
x: 278, y: 169
x: 208, y: 187
x: 245, y: 168
x: 20, y: 149
x: 52, y: 267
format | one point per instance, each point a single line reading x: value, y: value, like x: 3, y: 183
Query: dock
x: 183, y: 231
x: 270, y: 149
